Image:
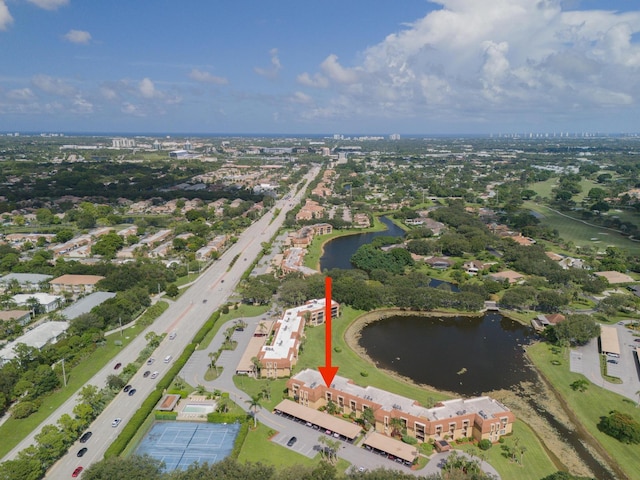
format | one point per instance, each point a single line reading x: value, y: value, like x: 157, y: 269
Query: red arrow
x: 328, y: 372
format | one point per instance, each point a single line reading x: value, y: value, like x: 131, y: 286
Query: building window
x: 328, y: 396
x: 352, y: 405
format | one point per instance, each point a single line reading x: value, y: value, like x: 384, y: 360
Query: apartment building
x: 479, y: 417
x: 278, y: 358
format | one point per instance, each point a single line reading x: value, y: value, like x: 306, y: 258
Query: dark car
x: 126, y: 388
x: 146, y: 374
x: 85, y: 436
x: 132, y: 391
x: 291, y: 441
x: 77, y: 472
x: 117, y: 366
x: 636, y: 340
x: 82, y: 451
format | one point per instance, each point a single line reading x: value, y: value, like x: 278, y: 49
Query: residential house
x: 511, y: 276
x: 48, y: 303
x: 27, y: 282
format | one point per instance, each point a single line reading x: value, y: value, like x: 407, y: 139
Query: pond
x: 462, y: 354
x: 338, y: 252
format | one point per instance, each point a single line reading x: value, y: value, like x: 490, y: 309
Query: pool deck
x: 194, y: 400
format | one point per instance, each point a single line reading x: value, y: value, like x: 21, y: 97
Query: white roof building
x: 40, y: 336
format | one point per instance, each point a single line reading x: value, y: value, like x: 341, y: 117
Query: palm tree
x: 254, y: 403
x: 322, y: 440
x: 397, y: 425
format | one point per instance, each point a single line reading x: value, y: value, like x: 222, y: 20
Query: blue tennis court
x: 179, y: 444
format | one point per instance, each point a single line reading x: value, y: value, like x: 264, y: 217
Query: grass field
x: 589, y: 406
x: 580, y: 233
x: 535, y: 462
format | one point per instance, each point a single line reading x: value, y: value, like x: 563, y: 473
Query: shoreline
x: 566, y: 458
x: 354, y: 331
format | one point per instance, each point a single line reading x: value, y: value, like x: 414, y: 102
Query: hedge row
x: 208, y: 325
x: 130, y: 429
x: 159, y: 415
x: 242, y: 436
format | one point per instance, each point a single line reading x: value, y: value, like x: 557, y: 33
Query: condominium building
x: 278, y: 358
x: 480, y: 417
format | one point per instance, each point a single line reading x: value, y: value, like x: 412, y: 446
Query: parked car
x: 291, y: 441
x: 77, y: 472
x: 615, y: 362
x: 132, y: 391
x: 116, y: 422
x: 82, y: 451
x: 126, y: 388
x: 636, y: 339
x: 117, y: 366
x: 85, y: 436
x: 146, y: 374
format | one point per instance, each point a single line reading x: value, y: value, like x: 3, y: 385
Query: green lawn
x: 535, y: 462
x: 581, y: 234
x: 590, y: 405
x: 13, y: 431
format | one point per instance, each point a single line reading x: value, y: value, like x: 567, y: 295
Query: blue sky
x: 320, y: 66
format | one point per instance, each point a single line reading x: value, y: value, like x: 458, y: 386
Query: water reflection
x: 462, y: 354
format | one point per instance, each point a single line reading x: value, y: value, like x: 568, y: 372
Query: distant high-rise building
x: 123, y: 143
x: 394, y: 136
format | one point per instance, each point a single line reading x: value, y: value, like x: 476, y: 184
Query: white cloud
x: 78, y: 36
x: 316, y: 81
x: 108, y: 92
x: 21, y: 94
x: 302, y: 98
x: 147, y: 89
x: 206, y: 77
x: 5, y: 16
x: 53, y: 85
x: 49, y: 4
x: 81, y: 105
x: 275, y: 68
x: 131, y: 109
x: 472, y: 59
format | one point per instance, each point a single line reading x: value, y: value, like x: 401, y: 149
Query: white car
x: 154, y: 374
x: 116, y: 422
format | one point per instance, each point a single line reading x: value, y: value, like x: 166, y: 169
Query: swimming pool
x: 191, y: 408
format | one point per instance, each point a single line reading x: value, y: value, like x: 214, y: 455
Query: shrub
x: 484, y: 444
x: 364, y: 374
x: 409, y: 440
x: 24, y: 409
x: 620, y: 426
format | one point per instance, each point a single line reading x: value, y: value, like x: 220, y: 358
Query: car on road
x: 126, y: 388
x: 132, y: 391
x: 150, y: 361
x: 82, y: 451
x: 636, y: 339
x: 173, y: 335
x: 116, y: 422
x: 117, y: 366
x: 204, y: 300
x: 291, y: 441
x: 146, y: 374
x: 167, y: 359
x: 77, y: 472
x: 154, y: 374
x: 85, y: 436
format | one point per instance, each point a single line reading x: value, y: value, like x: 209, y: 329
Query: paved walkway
x: 307, y: 444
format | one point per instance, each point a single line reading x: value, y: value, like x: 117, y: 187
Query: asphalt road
x: 184, y: 316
